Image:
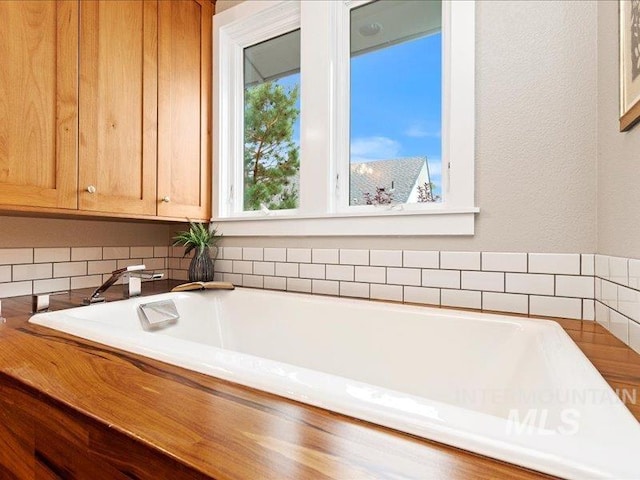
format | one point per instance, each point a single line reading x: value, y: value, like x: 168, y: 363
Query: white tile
x: 504, y: 262
x: 5, y: 273
x: 340, y: 272
x: 610, y: 294
x: 588, y: 309
x: 101, y: 266
x: 629, y: 302
x: 325, y: 287
x: 115, y: 253
x: 486, y: 281
x: 264, y: 268
x: 555, y: 307
x: 235, y: 278
x: 299, y: 255
x: 563, y: 263
x: 51, y: 285
x: 15, y: 289
x: 354, y: 257
x: 505, y: 302
x: 174, y: 263
x: 460, y: 298
x: 154, y: 263
x: 423, y: 295
x: 441, y: 278
x: 160, y: 251
x: 370, y: 274
x: 352, y: 289
x: 218, y: 277
x: 312, y: 270
x: 12, y: 256
x: 619, y: 270
x: 299, y: 285
x: 634, y: 273
x: 129, y: 262
x: 574, y: 286
x: 89, y: 281
x: 86, y: 253
x: 587, y: 266
x: 275, y: 283
x: 619, y: 326
x: 141, y: 252
x: 404, y: 276
x: 598, y: 290
x: 634, y: 336
x: 69, y: 269
x: 460, y: 260
x: 33, y: 271
x: 286, y: 269
x: 386, y: 292
x: 43, y: 255
x: 242, y: 266
x: 224, y: 266
x: 325, y: 255
x: 254, y: 281
x: 275, y: 254
x: 182, y: 275
x: 602, y: 314
x: 252, y: 253
x: 386, y: 258
x: 420, y: 259
x: 529, y: 283
x: 602, y: 266
x: 232, y: 253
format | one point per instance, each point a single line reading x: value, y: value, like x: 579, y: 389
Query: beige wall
x: 536, y: 67
x: 48, y: 232
x: 618, y: 153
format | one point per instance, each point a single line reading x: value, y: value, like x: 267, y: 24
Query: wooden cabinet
x: 105, y: 107
x: 184, y: 112
x: 118, y: 106
x: 38, y: 103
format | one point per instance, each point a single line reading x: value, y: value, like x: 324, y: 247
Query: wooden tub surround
x: 70, y: 408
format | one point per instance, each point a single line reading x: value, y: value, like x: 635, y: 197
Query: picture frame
x: 629, y: 54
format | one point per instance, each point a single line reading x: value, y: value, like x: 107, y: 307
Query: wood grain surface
x: 137, y: 416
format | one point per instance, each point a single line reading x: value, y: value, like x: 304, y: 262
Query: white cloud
x: 419, y: 131
x: 366, y: 149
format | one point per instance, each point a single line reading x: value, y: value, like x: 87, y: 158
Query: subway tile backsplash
x: 580, y: 286
x: 26, y: 271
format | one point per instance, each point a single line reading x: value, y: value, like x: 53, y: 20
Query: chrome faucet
x: 134, y: 287
x: 115, y: 276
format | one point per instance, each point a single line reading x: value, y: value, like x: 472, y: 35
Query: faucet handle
x: 40, y: 301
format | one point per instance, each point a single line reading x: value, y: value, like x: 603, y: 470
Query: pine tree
x: 271, y: 157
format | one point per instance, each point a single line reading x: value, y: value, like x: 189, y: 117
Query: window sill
x: 458, y: 221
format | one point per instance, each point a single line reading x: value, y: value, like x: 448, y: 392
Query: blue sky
x: 396, y: 103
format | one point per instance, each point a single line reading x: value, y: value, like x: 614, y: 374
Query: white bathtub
x: 510, y: 388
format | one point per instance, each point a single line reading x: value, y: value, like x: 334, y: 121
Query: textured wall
x: 536, y: 67
x: 49, y: 232
x: 618, y: 153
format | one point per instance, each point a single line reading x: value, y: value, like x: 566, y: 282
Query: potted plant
x: 201, y: 238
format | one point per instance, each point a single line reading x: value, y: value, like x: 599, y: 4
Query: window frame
x: 324, y: 143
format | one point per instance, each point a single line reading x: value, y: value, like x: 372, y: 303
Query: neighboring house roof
x: 401, y: 174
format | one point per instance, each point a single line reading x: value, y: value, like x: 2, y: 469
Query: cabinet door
x: 38, y: 103
x: 118, y: 106
x: 184, y: 109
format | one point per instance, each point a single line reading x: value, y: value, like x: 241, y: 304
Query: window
x: 344, y: 118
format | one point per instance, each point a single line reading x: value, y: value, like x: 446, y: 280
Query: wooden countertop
x: 222, y: 430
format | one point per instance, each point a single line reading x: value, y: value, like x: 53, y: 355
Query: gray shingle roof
x: 399, y: 173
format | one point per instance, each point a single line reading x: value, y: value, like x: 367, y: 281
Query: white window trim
x: 324, y: 98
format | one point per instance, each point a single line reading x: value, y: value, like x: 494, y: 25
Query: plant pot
x: 201, y: 267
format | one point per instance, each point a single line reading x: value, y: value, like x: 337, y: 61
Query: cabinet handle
x: 166, y: 199
x: 91, y: 189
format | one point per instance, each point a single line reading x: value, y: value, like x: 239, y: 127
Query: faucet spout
x: 115, y: 276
